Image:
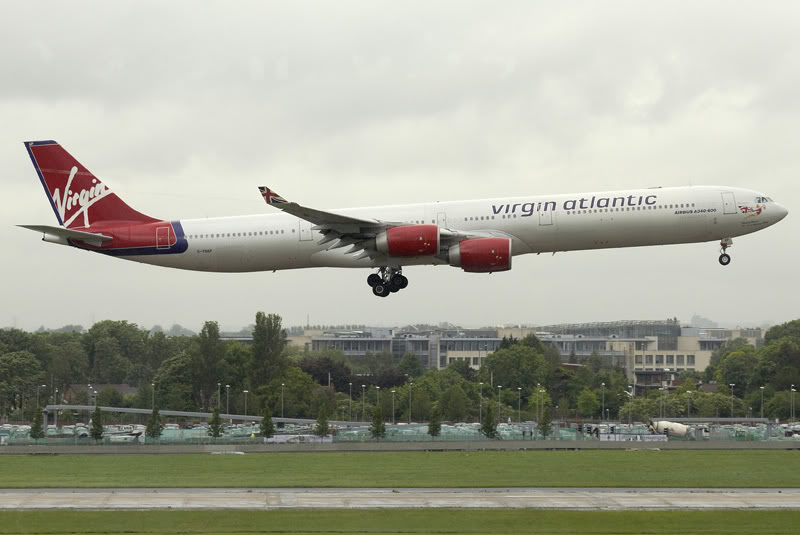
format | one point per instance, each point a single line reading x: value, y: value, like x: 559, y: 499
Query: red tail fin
x: 78, y: 198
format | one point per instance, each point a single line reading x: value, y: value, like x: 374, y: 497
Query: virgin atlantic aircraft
x: 478, y: 236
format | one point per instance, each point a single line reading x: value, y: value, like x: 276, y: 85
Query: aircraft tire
x: 381, y: 290
x: 724, y: 259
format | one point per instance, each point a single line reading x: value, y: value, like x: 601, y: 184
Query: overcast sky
x: 184, y: 108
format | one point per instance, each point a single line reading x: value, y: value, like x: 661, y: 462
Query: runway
x: 596, y: 499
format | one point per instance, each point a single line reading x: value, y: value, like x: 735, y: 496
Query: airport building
x: 436, y: 348
x: 653, y: 353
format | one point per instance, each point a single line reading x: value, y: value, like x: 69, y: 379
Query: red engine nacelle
x: 482, y: 255
x: 412, y: 240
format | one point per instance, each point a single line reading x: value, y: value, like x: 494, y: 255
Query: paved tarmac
x: 612, y: 499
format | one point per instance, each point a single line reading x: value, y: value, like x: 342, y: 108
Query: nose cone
x: 780, y: 211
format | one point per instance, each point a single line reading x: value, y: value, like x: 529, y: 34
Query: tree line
x: 523, y: 379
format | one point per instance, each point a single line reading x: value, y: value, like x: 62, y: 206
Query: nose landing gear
x: 724, y: 257
x: 387, y: 281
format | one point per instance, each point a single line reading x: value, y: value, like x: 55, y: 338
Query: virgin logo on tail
x: 79, y: 201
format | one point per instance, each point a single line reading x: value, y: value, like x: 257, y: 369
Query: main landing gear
x: 387, y: 281
x: 725, y: 258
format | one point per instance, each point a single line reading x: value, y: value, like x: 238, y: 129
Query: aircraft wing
x: 61, y: 232
x: 345, y: 231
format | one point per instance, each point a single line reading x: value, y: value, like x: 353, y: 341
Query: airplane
x: 478, y: 236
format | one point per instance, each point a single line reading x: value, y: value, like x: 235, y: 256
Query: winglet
x: 270, y: 197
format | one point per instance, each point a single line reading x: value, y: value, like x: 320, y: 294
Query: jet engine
x: 407, y: 241
x: 481, y: 255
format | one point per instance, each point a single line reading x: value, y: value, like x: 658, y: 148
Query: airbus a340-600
x: 479, y: 236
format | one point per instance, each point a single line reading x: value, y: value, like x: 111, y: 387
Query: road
x: 612, y: 499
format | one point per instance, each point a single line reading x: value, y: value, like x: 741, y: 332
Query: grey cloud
x: 184, y: 108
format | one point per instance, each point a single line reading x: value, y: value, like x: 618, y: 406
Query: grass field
x: 388, y: 521
x: 415, y: 469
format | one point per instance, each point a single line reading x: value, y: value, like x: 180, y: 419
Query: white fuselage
x: 536, y: 224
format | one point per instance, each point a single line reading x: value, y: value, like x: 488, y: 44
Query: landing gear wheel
x: 381, y: 290
x: 393, y: 287
x: 724, y: 259
x: 374, y: 279
x: 400, y: 281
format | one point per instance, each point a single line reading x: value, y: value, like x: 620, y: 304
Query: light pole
x: 37, y: 394
x: 762, y: 400
x: 219, y: 395
x: 56, y: 411
x: 519, y: 404
x: 498, y: 399
x: 410, y: 385
x: 480, y: 404
x: 662, y: 401
x: 227, y: 399
x: 245, y: 402
x: 377, y: 396
x: 282, y: 385
x: 791, y: 405
x: 542, y: 392
x: 351, y: 401
x: 603, y: 398
x: 538, y: 403
x: 393, y: 391
x: 95, y: 399
x: 731, y: 385
x: 793, y: 391
x: 153, y: 392
x: 363, y: 404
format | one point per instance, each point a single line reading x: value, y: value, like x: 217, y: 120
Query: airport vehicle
x: 479, y: 236
x: 674, y: 429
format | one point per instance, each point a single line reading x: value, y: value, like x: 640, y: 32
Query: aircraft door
x: 305, y: 230
x: 441, y: 219
x: 163, y: 237
x: 546, y: 217
x: 728, y: 203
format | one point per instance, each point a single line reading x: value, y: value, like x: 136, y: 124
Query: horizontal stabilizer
x: 61, y: 232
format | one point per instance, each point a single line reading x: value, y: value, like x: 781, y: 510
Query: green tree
x: 109, y: 397
x: 455, y: 403
x: 420, y: 404
x: 267, y: 428
x: 174, y: 389
x: 37, y: 430
x: 269, y: 342
x: 96, y: 431
x: 114, y: 349
x: 738, y: 368
x: 462, y: 368
x: 411, y: 364
x: 154, y: 425
x: 489, y: 423
x: 378, y: 428
x: 539, y: 402
x: 588, y: 404
x: 546, y: 422
x: 20, y: 372
x: 299, y: 390
x: 517, y: 366
x: 207, y: 357
x: 790, y: 329
x: 322, y: 429
x: 215, y: 425
x: 435, y: 422
x: 728, y: 347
